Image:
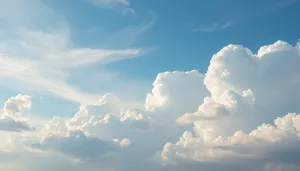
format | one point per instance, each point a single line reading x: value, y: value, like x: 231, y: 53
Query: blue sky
x: 173, y: 35
x: 177, y: 47
x: 116, y: 76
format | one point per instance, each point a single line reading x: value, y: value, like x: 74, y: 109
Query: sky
x: 117, y: 85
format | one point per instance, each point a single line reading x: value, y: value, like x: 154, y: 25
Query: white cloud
x: 103, y: 119
x: 9, y: 114
x: 43, y: 68
x: 40, y: 58
x: 262, y: 73
x: 106, y: 121
x: 220, y: 115
x: 124, y: 142
x: 15, y: 105
x: 209, y: 110
x: 170, y: 88
x: 289, y: 122
x: 259, y: 143
x: 245, y: 89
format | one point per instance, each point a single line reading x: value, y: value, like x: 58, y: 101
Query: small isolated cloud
x: 9, y: 114
x: 213, y: 27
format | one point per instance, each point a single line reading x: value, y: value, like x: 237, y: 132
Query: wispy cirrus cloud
x: 123, y: 5
x: 38, y: 68
x: 34, y: 56
x: 213, y: 27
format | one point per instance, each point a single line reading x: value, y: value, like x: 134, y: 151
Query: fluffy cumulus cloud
x: 172, y: 88
x: 243, y: 113
x: 272, y: 75
x: 277, y: 142
x: 10, y: 114
x: 103, y: 119
x: 246, y: 89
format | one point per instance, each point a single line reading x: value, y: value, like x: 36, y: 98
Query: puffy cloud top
x: 13, y: 107
x: 171, y: 88
x: 245, y: 89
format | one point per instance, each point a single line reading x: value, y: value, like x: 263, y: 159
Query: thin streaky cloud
x: 40, y: 60
x: 213, y: 27
x: 123, y: 5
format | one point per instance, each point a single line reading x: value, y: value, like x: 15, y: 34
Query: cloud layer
x: 242, y: 113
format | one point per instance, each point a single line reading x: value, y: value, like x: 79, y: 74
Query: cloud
x: 106, y: 121
x: 245, y: 89
x: 9, y: 120
x: 237, y: 69
x: 10, y: 124
x: 209, y: 110
x: 243, y: 113
x: 42, y: 58
x: 225, y: 101
x: 171, y: 87
x: 268, y: 142
x: 43, y: 68
x: 123, y: 4
x: 103, y: 119
x: 80, y: 145
x: 81, y: 57
x: 15, y: 105
x: 130, y: 34
x: 211, y: 28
